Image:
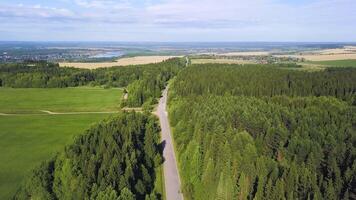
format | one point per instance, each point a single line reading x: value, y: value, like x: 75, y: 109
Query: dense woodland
x: 266, y: 80
x: 144, y: 83
x: 114, y: 160
x: 241, y: 132
x: 262, y: 132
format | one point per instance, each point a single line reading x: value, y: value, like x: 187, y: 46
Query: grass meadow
x: 27, y: 140
x: 32, y: 100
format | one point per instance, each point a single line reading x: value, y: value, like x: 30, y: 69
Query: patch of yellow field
x: 345, y: 53
x: 311, y: 67
x: 247, y: 53
x: 138, y: 60
x: 345, y: 50
x: 220, y: 61
x: 323, y: 57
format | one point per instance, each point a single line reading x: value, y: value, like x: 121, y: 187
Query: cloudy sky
x: 178, y: 20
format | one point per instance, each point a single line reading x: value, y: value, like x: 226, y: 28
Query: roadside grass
x: 159, y: 182
x: 81, y: 99
x: 26, y: 141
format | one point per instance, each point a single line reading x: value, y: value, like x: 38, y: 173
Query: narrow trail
x: 170, y: 168
x: 47, y: 112
x: 78, y: 113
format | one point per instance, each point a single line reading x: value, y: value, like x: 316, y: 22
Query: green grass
x: 337, y: 63
x: 159, y: 182
x: 26, y: 141
x: 32, y: 100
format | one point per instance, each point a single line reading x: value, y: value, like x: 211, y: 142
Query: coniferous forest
x: 263, y: 132
x: 240, y: 131
x: 178, y: 99
x: 115, y: 159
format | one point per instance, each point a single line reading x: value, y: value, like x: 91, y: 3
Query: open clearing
x: 82, y: 99
x: 220, y: 60
x: 33, y: 136
x: 26, y: 141
x: 138, y: 60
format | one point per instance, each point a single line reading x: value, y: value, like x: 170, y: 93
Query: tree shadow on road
x: 161, y: 147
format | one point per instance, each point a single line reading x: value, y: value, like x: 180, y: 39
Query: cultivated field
x: 138, y: 60
x: 220, y: 60
x: 345, y: 50
x: 82, y: 99
x: 246, y: 53
x: 32, y: 136
x: 321, y: 57
x: 346, y: 53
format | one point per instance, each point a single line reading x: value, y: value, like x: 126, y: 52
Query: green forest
x: 266, y: 80
x: 116, y: 159
x: 263, y: 132
x: 144, y: 82
x: 240, y: 131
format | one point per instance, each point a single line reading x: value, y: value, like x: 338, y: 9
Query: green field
x: 337, y: 63
x: 82, y: 99
x: 27, y: 140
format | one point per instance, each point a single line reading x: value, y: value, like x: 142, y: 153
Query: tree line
x: 143, y: 82
x: 115, y: 159
x: 261, y: 132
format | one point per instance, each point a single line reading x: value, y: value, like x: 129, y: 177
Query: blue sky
x: 178, y: 20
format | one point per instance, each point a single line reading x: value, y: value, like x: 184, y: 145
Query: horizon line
x: 117, y: 41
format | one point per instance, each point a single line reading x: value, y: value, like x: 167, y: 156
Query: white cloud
x: 228, y: 19
x: 104, y: 4
x: 254, y: 11
x: 194, y: 13
x: 35, y: 12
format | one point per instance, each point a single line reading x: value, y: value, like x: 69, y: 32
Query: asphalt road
x: 171, y: 174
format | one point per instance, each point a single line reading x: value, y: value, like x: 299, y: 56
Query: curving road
x: 171, y: 174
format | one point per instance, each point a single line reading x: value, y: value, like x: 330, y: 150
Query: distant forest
x: 263, y: 132
x: 113, y: 160
x: 143, y: 82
